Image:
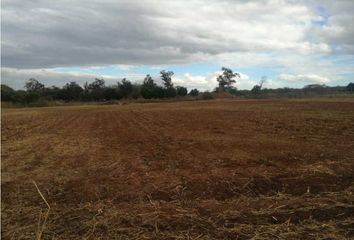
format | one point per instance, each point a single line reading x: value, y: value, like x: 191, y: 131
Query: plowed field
x: 221, y: 169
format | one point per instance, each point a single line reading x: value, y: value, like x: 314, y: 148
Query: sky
x: 292, y: 43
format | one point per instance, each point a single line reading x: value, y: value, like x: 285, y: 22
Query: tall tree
x: 181, y: 91
x: 7, y: 93
x: 226, y: 79
x: 97, y: 84
x: 96, y: 89
x: 166, y: 77
x: 33, y: 85
x: 71, y: 91
x: 350, y: 87
x: 148, y: 81
x: 125, y: 87
x: 194, y: 92
x: 257, y: 88
x: 169, y: 90
x: 149, y: 89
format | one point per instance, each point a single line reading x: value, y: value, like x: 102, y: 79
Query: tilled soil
x: 220, y: 169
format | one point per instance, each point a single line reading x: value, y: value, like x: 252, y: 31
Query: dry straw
x: 42, y: 217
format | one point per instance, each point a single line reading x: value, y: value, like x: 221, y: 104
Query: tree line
x: 149, y: 89
x: 97, y: 90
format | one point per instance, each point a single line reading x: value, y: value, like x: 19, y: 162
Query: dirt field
x: 221, y: 169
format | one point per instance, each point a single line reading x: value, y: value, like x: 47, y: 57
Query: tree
x: 20, y: 96
x: 315, y: 88
x: 257, y: 88
x: 194, y: 92
x: 97, y: 84
x: 166, y: 77
x: 30, y: 97
x: 148, y: 81
x: 7, y: 93
x: 350, y: 87
x: 53, y: 93
x: 226, y: 79
x: 71, y: 92
x: 169, y: 92
x: 207, y: 95
x: 33, y: 85
x: 95, y: 89
x: 110, y: 93
x: 125, y: 87
x: 136, y: 91
x: 149, y: 89
x: 181, y: 91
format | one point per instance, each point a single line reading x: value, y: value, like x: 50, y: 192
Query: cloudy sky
x: 293, y: 43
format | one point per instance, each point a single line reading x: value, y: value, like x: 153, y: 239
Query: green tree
x: 169, y: 92
x: 95, y: 89
x: 53, y: 93
x: 125, y: 87
x: 181, y: 91
x: 194, y: 92
x: 97, y: 84
x: 136, y: 91
x: 111, y: 93
x: 166, y: 77
x: 226, y: 79
x: 350, y: 87
x: 33, y: 85
x: 149, y: 89
x: 7, y: 93
x: 71, y: 92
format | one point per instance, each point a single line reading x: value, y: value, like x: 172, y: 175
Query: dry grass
x: 220, y: 169
x: 42, y: 220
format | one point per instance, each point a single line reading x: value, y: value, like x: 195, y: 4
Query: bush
x: 111, y: 93
x: 194, y: 92
x: 41, y: 102
x: 135, y: 94
x: 207, y: 96
x: 350, y: 87
x: 149, y: 92
x: 170, y: 92
x: 31, y: 97
x: 181, y: 91
x: 125, y: 87
x: 7, y: 93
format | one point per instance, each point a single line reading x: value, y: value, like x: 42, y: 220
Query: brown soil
x: 221, y: 169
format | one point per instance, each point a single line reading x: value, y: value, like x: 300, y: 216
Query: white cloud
x: 208, y: 82
x: 303, y: 78
x: 44, y: 34
x: 16, y: 77
x: 38, y: 36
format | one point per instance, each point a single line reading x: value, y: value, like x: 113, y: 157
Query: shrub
x: 181, y: 91
x: 170, y: 92
x: 41, y: 102
x: 194, y: 92
x: 135, y: 94
x: 111, y: 93
x: 207, y: 96
x: 7, y: 93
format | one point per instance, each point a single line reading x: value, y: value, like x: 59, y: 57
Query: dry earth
x: 221, y: 169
